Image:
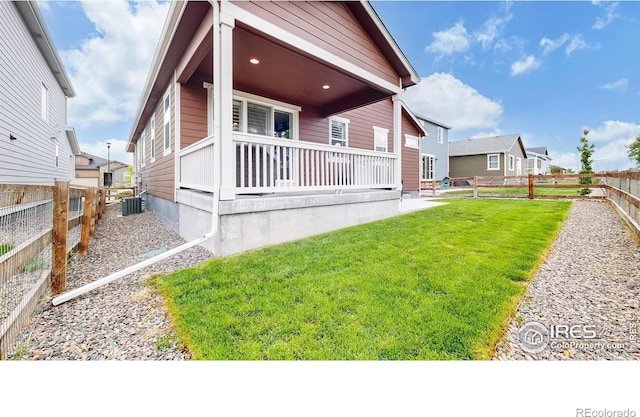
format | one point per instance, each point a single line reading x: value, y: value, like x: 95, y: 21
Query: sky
x: 546, y: 70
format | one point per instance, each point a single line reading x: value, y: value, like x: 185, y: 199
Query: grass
x: 538, y: 191
x: 4, y: 248
x: 440, y: 283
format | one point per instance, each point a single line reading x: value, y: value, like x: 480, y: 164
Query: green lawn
x: 435, y: 284
x: 537, y: 191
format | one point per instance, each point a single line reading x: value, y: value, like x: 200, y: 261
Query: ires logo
x: 574, y: 332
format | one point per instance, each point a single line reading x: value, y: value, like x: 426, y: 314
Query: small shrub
x: 123, y: 194
x: 4, y: 248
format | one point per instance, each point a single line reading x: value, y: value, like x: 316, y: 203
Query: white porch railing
x: 268, y: 165
x: 196, y: 165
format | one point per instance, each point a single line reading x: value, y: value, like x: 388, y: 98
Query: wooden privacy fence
x: 41, y: 228
x: 622, y: 189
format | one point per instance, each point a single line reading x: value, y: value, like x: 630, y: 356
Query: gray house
x: 538, y: 161
x: 489, y: 156
x: 36, y: 145
x: 434, y: 150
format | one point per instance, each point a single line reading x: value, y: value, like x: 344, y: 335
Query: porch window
x: 511, y: 162
x: 167, y: 123
x: 380, y: 138
x: 262, y: 118
x: 427, y: 165
x: 493, y: 162
x: 339, y: 131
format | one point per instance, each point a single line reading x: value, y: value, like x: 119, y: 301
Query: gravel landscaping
x: 585, y: 294
x: 123, y: 320
x: 589, y: 283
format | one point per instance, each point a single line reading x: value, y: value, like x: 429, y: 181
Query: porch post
x: 397, y: 138
x: 224, y: 102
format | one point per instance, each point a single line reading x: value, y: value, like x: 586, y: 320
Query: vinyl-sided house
x: 498, y: 156
x: 36, y: 145
x: 538, y: 161
x: 434, y: 150
x: 263, y: 122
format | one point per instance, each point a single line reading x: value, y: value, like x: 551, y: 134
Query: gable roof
x: 435, y: 122
x: 414, y: 119
x: 35, y: 23
x: 94, y: 161
x: 542, y: 150
x: 481, y: 146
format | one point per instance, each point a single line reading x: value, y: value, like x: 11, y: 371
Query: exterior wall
x: 329, y: 25
x: 31, y: 158
x: 440, y: 151
x: 193, y: 105
x: 85, y: 182
x: 532, y: 164
x: 158, y: 177
x: 410, y: 158
x: 473, y: 165
x: 516, y: 152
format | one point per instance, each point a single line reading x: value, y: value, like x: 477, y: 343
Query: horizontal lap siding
x: 31, y: 158
x: 473, y: 165
x: 158, y: 177
x: 329, y: 25
x: 410, y: 157
x: 193, y: 118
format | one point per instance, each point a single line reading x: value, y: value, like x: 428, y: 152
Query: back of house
x: 497, y: 156
x: 269, y: 121
x: 36, y: 145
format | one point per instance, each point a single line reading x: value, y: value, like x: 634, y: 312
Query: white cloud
x: 576, y: 44
x: 445, y: 98
x: 567, y: 160
x: 526, y: 65
x: 611, y: 139
x: 491, y: 29
x: 620, y: 85
x: 108, y: 72
x: 449, y: 41
x: 551, y: 45
x: 610, y: 15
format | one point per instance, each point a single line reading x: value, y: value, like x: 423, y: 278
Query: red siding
x: 329, y: 25
x: 193, y: 112
x: 410, y: 157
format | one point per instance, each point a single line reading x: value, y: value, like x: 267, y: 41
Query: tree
x: 586, y: 151
x: 633, y: 151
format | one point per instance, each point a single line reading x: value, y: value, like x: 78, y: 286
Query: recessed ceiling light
x: 326, y: 87
x: 254, y: 61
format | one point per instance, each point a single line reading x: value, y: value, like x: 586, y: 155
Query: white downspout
x: 214, y: 211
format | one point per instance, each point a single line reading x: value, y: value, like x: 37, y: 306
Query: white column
x: 397, y: 138
x: 224, y: 105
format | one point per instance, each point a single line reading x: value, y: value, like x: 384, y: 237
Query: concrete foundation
x: 166, y: 210
x: 253, y: 222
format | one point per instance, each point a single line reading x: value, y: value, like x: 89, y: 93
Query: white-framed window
x: 493, y: 162
x: 44, y: 102
x: 152, y: 137
x: 411, y: 141
x: 427, y: 166
x: 380, y: 139
x: 440, y: 134
x: 143, y: 139
x: 261, y: 116
x: 512, y: 163
x: 339, y: 131
x: 166, y: 104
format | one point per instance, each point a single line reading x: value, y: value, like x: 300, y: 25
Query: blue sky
x: 546, y: 70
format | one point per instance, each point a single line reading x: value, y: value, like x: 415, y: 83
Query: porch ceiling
x: 292, y: 76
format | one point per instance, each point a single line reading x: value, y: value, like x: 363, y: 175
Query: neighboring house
x: 434, y: 150
x: 262, y: 122
x: 490, y: 156
x: 538, y: 161
x: 120, y: 175
x: 36, y: 145
x: 88, y: 169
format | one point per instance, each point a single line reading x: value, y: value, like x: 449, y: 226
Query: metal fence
x: 29, y: 241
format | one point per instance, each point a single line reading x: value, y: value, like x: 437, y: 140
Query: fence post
x: 94, y: 210
x: 475, y: 187
x: 59, y: 244
x: 530, y: 186
x: 433, y: 188
x: 85, y: 234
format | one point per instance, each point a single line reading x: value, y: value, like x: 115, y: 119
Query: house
x: 538, y: 161
x: 500, y: 156
x: 414, y: 135
x: 263, y: 122
x: 36, y: 145
x: 434, y: 150
x: 88, y: 169
x: 120, y: 174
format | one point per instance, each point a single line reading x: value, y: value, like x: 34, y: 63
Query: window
x: 440, y: 135
x: 152, y: 134
x: 427, y: 166
x: 78, y: 160
x: 380, y: 139
x: 44, y: 102
x: 493, y: 162
x: 339, y: 131
x: 167, y: 123
x: 264, y: 117
x: 511, y: 163
x: 411, y: 141
x: 143, y: 139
